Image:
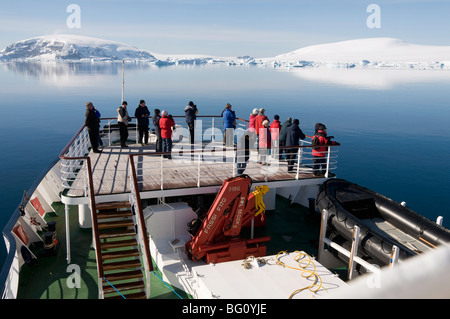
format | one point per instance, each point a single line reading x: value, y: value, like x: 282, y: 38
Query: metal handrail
x: 91, y: 197
x: 195, y: 156
x: 140, y: 216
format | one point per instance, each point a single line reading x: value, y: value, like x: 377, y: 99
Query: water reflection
x: 70, y: 73
x: 372, y: 79
x: 80, y: 74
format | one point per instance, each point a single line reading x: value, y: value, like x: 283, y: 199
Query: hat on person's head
x: 164, y: 112
x: 276, y: 117
x: 124, y: 103
x: 321, y: 127
x: 141, y: 101
x: 255, y: 111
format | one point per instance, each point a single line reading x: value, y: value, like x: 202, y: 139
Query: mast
x: 123, y: 80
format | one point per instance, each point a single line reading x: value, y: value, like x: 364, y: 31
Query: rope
x: 303, y: 264
x: 259, y: 194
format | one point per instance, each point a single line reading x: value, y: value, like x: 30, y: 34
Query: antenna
x: 123, y: 80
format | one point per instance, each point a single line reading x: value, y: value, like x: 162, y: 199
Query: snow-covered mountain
x: 62, y: 47
x: 372, y: 52
x: 361, y: 53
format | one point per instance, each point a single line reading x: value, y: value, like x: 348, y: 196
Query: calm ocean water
x: 393, y: 125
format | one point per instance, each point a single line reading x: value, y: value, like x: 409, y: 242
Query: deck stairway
x: 119, y: 250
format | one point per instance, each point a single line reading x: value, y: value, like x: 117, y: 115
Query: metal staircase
x: 123, y: 276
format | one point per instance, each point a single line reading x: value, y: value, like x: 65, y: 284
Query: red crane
x: 218, y: 236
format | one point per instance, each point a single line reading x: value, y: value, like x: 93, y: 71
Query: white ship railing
x: 208, y: 154
x: 71, y: 164
x: 141, y: 231
x: 224, y: 162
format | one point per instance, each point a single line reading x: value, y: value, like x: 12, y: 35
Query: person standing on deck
x: 142, y: 114
x: 156, y: 118
x: 166, y: 123
x: 92, y: 123
x: 320, y: 152
x: 190, y: 112
x: 275, y: 135
x: 264, y: 143
x: 123, y: 118
x: 252, y: 119
x: 229, y: 118
x: 260, y: 118
x: 293, y: 135
x: 243, y: 152
x: 282, y: 136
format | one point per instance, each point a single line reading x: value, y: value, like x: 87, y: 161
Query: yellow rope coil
x: 259, y: 203
x: 304, y: 261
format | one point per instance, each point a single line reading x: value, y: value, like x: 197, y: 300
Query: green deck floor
x: 291, y: 227
x: 48, y: 277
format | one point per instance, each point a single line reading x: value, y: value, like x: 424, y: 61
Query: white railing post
x: 162, y: 172
x: 353, y: 252
x: 212, y: 132
x: 328, y: 162
x: 235, y: 162
x: 136, y: 132
x: 440, y: 220
x: 198, y: 168
x: 66, y: 211
x: 109, y: 132
x: 323, y: 231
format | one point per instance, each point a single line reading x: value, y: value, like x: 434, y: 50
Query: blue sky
x: 260, y: 28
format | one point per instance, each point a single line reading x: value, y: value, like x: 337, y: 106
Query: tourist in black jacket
x: 293, y: 135
x: 142, y: 114
x: 190, y: 112
x: 155, y: 119
x: 92, y: 123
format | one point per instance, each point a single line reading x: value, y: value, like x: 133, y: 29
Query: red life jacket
x: 166, y: 124
x: 320, y: 138
x: 275, y: 128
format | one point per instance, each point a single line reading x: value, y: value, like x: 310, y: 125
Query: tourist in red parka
x: 166, y: 123
x: 264, y: 143
x: 275, y: 128
x: 252, y: 120
x: 260, y: 118
x: 320, y: 152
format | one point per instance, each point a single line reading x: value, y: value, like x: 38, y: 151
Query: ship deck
x: 111, y: 170
x: 292, y: 227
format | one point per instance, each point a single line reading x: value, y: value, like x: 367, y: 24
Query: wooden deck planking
x: 111, y: 172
